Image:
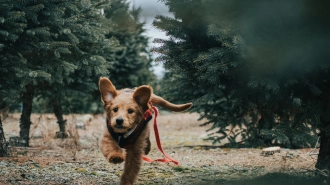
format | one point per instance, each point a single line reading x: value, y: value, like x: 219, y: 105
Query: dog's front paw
x: 116, y: 158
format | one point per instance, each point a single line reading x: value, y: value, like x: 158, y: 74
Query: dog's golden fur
x: 125, y: 110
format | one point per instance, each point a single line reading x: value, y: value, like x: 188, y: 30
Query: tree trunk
x: 323, y: 161
x: 3, y: 142
x: 57, y: 108
x: 25, y: 122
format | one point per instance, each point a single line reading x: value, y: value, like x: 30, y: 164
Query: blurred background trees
x: 131, y: 65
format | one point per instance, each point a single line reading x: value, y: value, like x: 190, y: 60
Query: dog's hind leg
x: 148, y: 146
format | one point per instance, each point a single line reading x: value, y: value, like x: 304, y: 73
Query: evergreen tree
x: 261, y: 67
x: 86, y: 27
x: 201, y: 66
x: 59, y: 43
x: 12, y: 64
x: 128, y: 60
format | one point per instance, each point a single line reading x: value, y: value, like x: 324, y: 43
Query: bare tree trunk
x: 25, y: 121
x: 57, y: 108
x: 3, y: 142
x: 323, y: 161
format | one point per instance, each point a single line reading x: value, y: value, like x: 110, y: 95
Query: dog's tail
x: 168, y: 105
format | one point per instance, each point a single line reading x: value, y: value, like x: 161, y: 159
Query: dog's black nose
x: 119, y: 121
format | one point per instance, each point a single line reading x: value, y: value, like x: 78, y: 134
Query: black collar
x: 126, y: 141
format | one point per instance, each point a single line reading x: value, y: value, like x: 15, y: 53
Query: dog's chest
x: 126, y: 141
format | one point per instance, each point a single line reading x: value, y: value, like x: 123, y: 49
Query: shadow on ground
x: 272, y: 179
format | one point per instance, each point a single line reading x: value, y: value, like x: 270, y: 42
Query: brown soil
x: 77, y: 160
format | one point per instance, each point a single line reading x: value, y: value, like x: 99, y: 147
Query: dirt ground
x: 77, y: 159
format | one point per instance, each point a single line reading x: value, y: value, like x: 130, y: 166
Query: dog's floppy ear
x: 142, y: 96
x: 107, y: 89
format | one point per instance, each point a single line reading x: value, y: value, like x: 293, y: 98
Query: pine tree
x: 258, y: 69
x: 125, y: 50
x: 12, y: 64
x: 206, y: 63
x: 86, y: 27
x: 59, y: 45
x: 128, y: 60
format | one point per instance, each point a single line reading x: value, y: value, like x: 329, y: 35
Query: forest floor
x: 77, y: 159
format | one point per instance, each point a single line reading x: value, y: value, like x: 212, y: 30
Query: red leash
x: 166, y: 158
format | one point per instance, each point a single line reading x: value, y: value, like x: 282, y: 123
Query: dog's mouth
x: 122, y: 130
x: 119, y: 127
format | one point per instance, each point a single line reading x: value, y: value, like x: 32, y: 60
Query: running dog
x: 128, y: 112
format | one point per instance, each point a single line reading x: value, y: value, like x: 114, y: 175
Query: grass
x: 77, y: 159
x: 274, y: 179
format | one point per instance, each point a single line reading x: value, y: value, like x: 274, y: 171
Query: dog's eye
x: 130, y: 111
x: 115, y: 109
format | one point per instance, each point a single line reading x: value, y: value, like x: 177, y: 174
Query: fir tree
x: 86, y: 27
x: 128, y: 60
x: 60, y: 45
x: 201, y: 66
x: 12, y: 64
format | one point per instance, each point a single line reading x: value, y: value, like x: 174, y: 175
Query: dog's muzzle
x: 119, y: 122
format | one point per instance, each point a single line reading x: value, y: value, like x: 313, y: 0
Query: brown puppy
x: 128, y: 113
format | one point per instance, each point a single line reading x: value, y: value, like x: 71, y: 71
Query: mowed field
x: 77, y: 159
